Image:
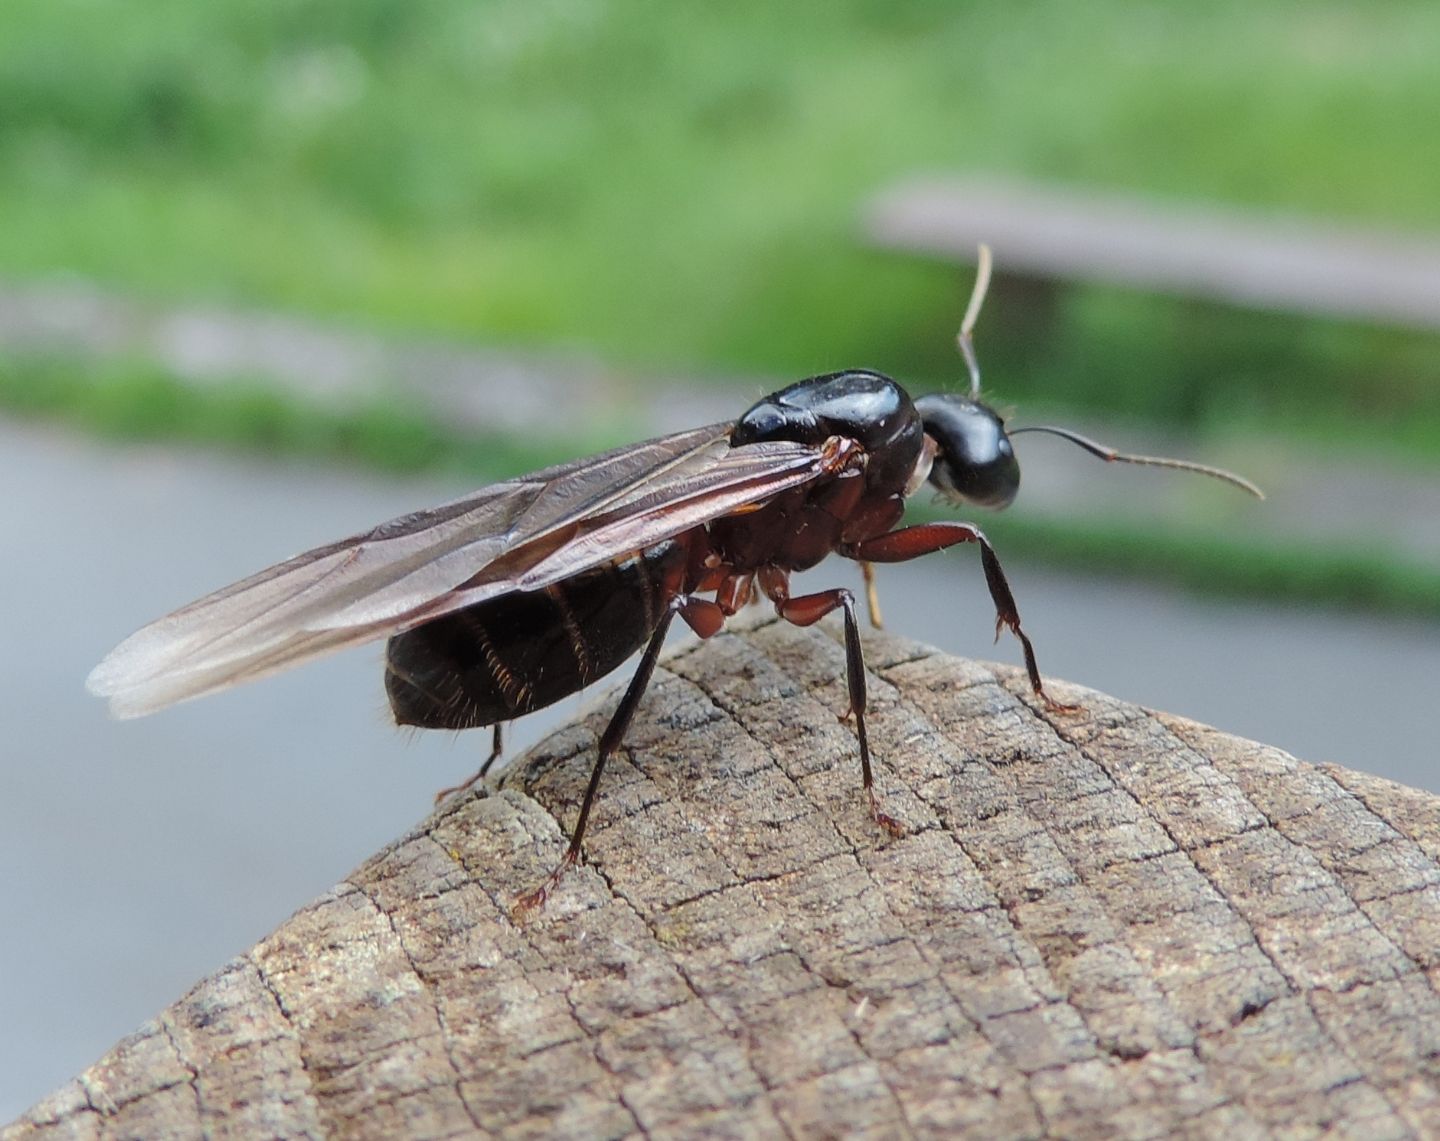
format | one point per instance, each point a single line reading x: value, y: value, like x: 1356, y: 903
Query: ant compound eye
x: 974, y: 461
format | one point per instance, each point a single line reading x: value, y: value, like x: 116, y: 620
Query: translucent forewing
x: 521, y: 534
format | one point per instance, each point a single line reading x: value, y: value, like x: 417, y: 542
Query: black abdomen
x: 509, y: 656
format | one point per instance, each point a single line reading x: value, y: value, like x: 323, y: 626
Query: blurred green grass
x: 133, y: 400
x: 675, y: 185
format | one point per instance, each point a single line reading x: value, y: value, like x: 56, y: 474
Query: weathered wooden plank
x: 1276, y: 262
x: 1112, y: 923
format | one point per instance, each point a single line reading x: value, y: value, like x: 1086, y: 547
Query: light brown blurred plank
x: 1251, y: 259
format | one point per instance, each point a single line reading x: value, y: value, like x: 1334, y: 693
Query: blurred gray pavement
x: 141, y: 855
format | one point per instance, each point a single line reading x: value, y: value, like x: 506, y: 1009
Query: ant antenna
x: 964, y: 338
x: 966, y: 342
x: 1110, y: 455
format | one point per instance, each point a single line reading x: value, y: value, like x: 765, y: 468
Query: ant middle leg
x: 808, y: 609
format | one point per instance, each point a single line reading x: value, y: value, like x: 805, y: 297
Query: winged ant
x: 522, y: 593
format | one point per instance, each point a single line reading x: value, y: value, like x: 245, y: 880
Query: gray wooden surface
x: 1106, y: 924
x: 1270, y: 262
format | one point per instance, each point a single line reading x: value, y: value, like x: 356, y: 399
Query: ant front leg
x: 912, y: 542
x: 809, y: 609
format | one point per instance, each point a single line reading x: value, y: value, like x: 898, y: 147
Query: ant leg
x: 497, y: 746
x: 702, y: 616
x: 872, y: 595
x: 609, y: 742
x: 810, y: 608
x: 912, y: 542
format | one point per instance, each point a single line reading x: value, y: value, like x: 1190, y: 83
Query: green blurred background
x: 675, y: 189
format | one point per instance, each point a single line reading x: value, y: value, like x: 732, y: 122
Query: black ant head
x: 974, y: 460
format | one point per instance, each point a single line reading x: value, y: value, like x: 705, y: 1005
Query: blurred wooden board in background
x: 1299, y: 265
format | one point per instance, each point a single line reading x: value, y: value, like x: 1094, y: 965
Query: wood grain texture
x: 1108, y: 924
